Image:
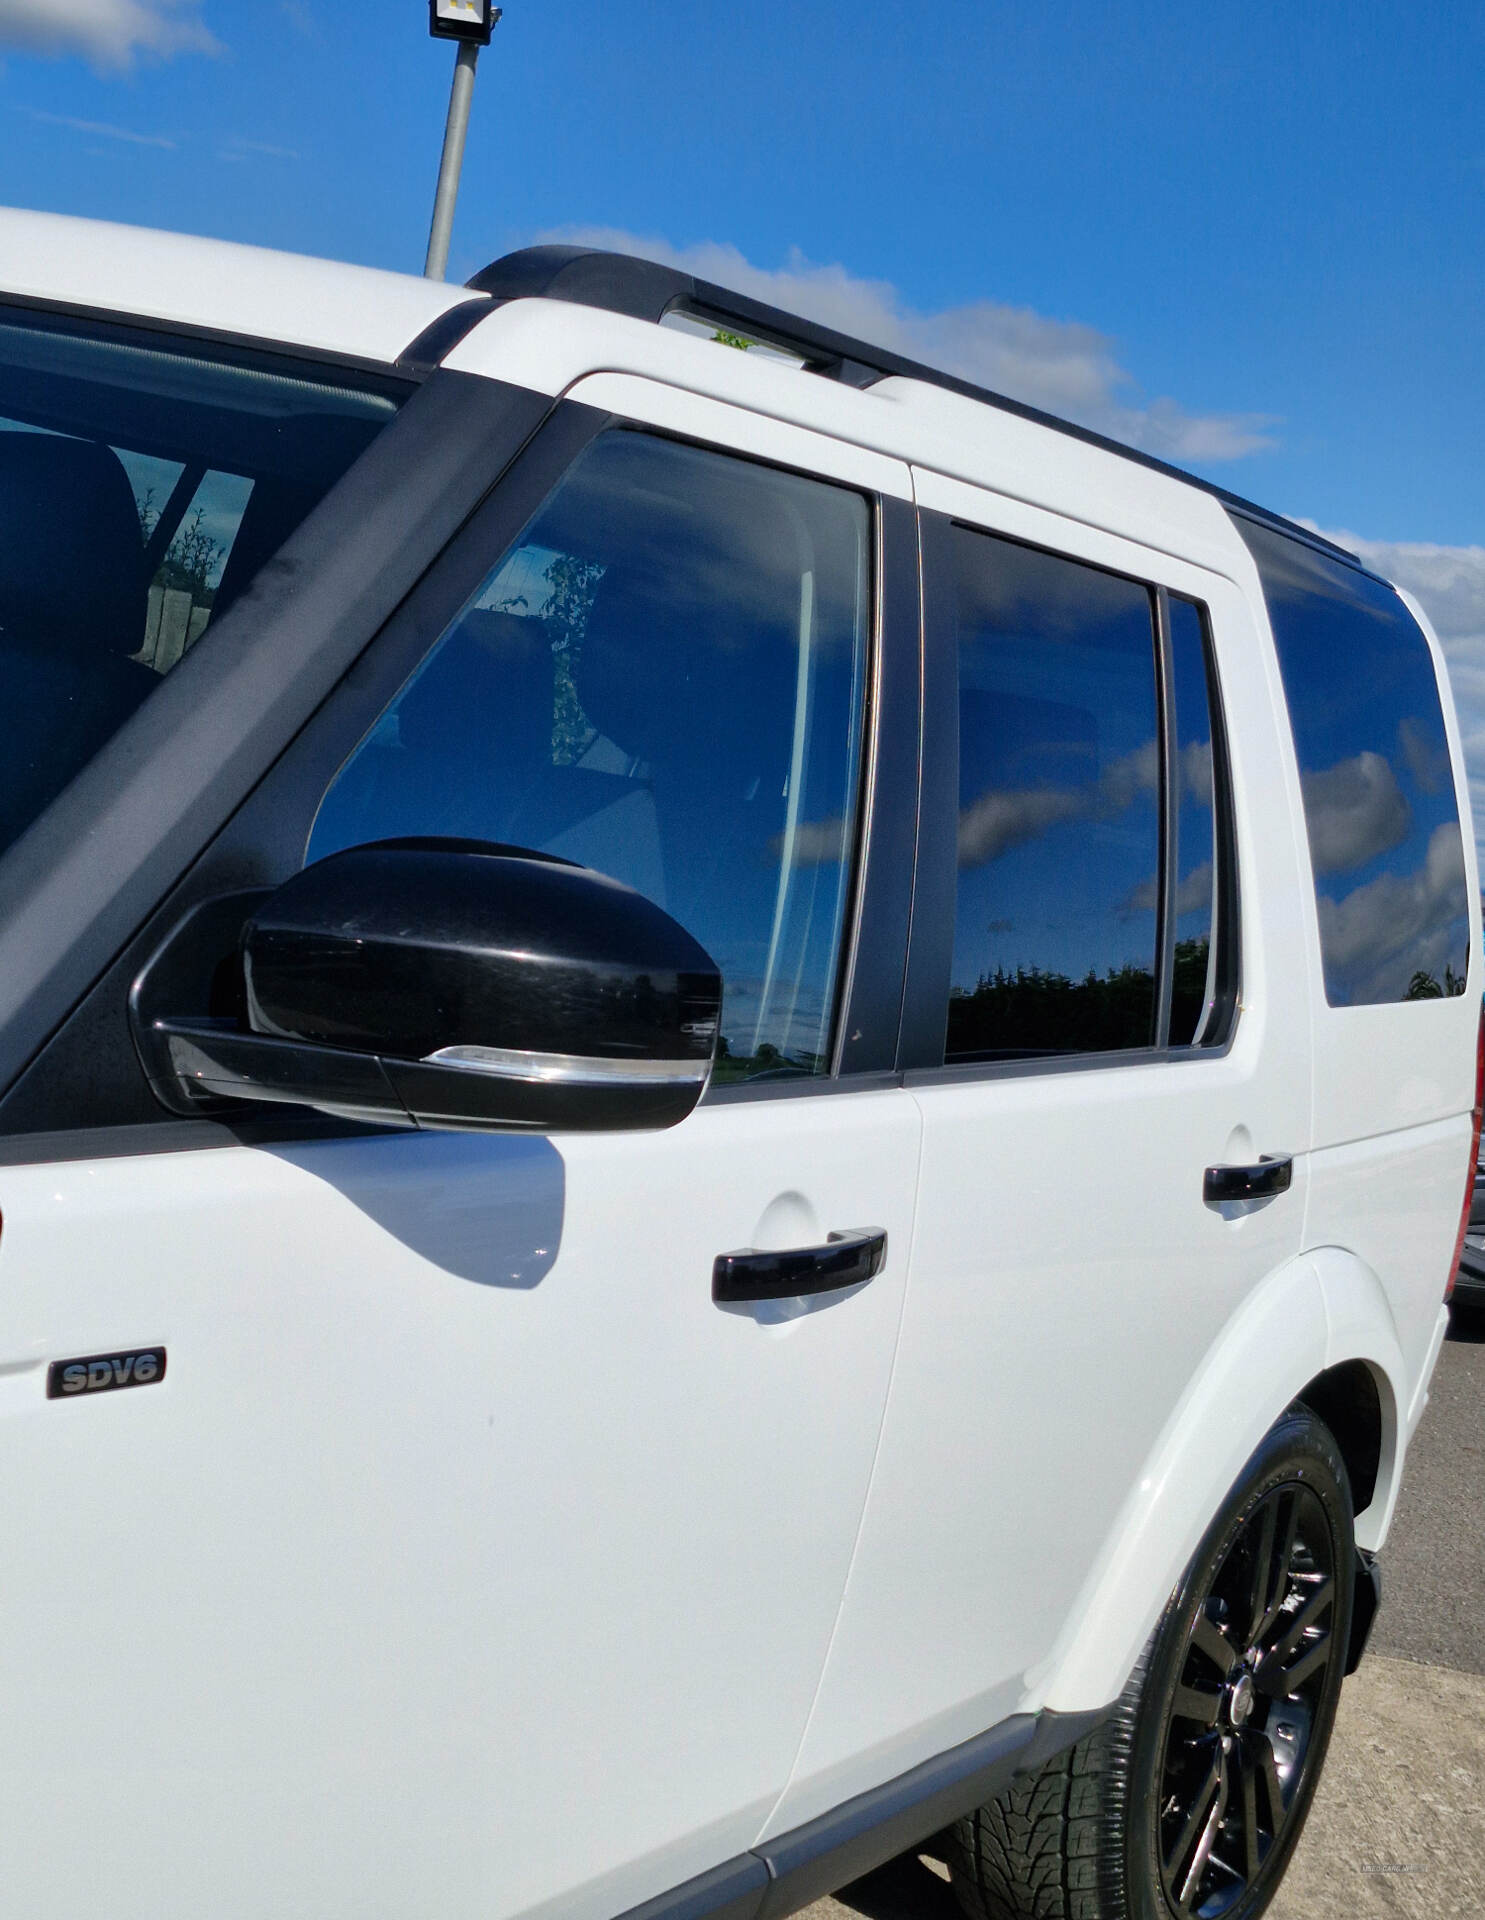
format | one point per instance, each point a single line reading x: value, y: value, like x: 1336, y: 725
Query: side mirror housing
x: 451, y: 984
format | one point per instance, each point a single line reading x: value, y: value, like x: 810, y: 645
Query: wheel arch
x: 1327, y: 1314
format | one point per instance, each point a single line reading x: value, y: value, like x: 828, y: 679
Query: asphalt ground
x: 1433, y: 1567
x: 1397, y: 1831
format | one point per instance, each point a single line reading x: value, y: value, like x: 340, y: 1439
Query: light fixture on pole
x: 469, y: 23
x: 462, y: 20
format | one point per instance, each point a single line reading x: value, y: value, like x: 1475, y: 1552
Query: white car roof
x: 289, y: 297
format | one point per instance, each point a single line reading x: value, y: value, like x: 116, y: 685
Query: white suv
x: 750, y: 1077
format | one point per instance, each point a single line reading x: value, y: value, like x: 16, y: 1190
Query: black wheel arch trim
x: 1364, y: 1607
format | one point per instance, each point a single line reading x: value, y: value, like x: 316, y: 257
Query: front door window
x: 661, y: 679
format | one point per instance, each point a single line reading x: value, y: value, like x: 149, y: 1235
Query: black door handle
x: 844, y: 1261
x: 1271, y: 1175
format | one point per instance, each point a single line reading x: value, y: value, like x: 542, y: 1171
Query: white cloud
x: 1425, y: 755
x: 1397, y: 924
x: 1354, y: 810
x: 107, y: 32
x: 817, y: 843
x: 1006, y: 817
x: 1060, y: 365
x: 1449, y: 584
x: 102, y: 129
x: 1132, y: 775
x: 236, y: 148
x: 1192, y: 894
x: 1448, y: 581
x: 1000, y: 820
x: 1196, y: 773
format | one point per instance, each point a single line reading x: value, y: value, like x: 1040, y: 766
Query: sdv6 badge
x: 104, y: 1373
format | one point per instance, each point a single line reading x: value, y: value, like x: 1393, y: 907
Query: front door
x: 469, y: 1558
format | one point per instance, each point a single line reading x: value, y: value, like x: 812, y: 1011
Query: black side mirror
x: 449, y: 984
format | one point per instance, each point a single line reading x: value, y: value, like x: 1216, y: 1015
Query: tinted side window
x: 1194, y: 962
x: 1379, y: 796
x: 662, y: 679
x: 1059, y: 807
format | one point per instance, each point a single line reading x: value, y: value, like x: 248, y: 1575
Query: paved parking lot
x: 1398, y: 1827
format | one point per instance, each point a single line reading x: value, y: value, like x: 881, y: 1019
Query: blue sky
x: 1246, y: 237
x: 1267, y: 216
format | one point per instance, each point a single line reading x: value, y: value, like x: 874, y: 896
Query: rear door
x: 1092, y: 1022
x: 469, y: 1557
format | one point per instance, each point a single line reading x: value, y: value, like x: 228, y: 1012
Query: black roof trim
x: 645, y: 290
x: 1239, y: 510
x: 428, y: 349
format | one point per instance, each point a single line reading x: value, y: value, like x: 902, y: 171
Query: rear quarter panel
x: 1393, y: 1091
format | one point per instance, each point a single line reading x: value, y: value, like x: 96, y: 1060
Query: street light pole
x: 470, y: 23
x: 455, y: 129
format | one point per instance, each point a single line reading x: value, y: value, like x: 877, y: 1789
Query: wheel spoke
x: 1196, y: 1704
x: 1248, y: 1779
x: 1279, y: 1564
x: 1307, y: 1617
x: 1201, y: 1807
x: 1208, y: 1636
x: 1308, y: 1664
x: 1268, y: 1776
x: 1273, y: 1676
x: 1191, y: 1884
x: 1263, y: 1558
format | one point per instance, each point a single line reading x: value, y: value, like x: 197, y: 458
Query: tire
x: 1187, y: 1802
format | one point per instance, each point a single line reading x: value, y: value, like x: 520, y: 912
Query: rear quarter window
x: 1380, y: 805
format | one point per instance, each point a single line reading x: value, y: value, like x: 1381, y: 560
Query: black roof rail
x: 645, y: 290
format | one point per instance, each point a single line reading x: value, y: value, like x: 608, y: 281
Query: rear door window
x: 1059, y: 807
x: 1380, y: 808
x: 1095, y: 900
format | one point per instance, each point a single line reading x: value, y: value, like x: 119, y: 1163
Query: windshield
x: 142, y: 485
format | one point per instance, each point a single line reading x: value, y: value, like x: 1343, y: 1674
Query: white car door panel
x: 461, y: 1524
x: 1067, y: 1278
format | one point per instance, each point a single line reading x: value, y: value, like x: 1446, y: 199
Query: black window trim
x: 925, y: 1012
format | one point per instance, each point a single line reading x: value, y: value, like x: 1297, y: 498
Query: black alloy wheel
x: 1252, y: 1689
x: 1187, y: 1802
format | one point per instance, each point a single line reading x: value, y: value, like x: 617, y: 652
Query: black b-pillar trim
x: 1170, y: 791
x: 872, y: 1010
x: 925, y: 1012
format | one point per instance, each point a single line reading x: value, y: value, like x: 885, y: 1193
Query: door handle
x: 1271, y: 1175
x: 845, y: 1260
